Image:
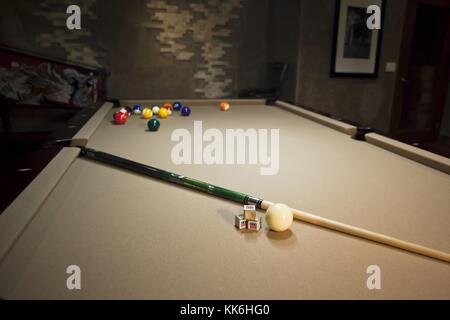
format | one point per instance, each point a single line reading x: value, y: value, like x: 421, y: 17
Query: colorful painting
x: 28, y: 80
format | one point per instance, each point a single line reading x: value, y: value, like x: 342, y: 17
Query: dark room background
x: 210, y: 49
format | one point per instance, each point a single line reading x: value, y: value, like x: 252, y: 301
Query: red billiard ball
x: 125, y: 111
x: 120, y: 118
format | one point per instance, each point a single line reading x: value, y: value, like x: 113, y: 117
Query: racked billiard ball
x: 153, y: 124
x: 185, y: 111
x: 163, y: 113
x: 147, y: 113
x: 155, y: 110
x: 177, y: 106
x: 137, y: 109
x: 120, y: 118
x: 125, y: 111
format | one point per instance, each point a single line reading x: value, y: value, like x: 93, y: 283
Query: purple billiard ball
x: 129, y: 110
x: 185, y: 111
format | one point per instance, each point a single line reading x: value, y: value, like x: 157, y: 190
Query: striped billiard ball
x: 137, y: 109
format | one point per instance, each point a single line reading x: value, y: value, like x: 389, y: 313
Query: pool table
x: 134, y: 237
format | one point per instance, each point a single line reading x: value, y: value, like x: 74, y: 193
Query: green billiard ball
x: 153, y: 124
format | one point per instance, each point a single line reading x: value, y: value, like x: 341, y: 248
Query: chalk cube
x: 254, y: 225
x: 240, y: 222
x: 250, y: 212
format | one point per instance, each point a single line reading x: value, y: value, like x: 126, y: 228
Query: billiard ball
x: 224, y: 106
x: 120, y: 118
x: 155, y: 110
x: 137, y: 109
x: 279, y: 217
x: 163, y: 113
x: 129, y: 110
x: 169, y: 108
x: 185, y: 111
x: 176, y: 106
x: 153, y: 124
x: 124, y: 111
x: 147, y: 113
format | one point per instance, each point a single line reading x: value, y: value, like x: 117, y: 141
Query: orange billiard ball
x: 224, y: 106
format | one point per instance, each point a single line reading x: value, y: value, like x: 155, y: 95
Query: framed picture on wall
x: 356, y: 48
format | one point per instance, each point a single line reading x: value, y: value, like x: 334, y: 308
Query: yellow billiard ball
x: 163, y: 113
x: 147, y: 113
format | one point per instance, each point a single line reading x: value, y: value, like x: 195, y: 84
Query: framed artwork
x: 356, y: 49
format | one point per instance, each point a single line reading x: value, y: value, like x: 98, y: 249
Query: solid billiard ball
x: 129, y: 110
x: 279, y: 217
x: 163, y: 113
x: 147, y: 113
x: 155, y: 110
x: 176, y: 106
x: 185, y: 111
x: 137, y: 109
x: 224, y: 106
x: 153, y: 124
x: 120, y: 118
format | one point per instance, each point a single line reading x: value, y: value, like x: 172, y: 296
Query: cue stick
x: 259, y: 203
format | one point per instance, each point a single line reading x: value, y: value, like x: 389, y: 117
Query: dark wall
x: 445, y: 122
x: 210, y: 49
x: 366, y: 101
x: 283, y: 39
x: 153, y: 49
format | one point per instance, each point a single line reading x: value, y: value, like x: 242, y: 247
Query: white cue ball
x: 279, y: 217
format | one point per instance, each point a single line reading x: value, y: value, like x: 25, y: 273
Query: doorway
x: 423, y: 75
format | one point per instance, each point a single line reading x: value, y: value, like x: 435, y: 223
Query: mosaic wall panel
x: 75, y: 43
x: 184, y: 29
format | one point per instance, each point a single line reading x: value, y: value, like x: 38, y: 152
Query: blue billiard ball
x: 137, y: 109
x: 176, y: 106
x: 129, y: 110
x: 185, y: 111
